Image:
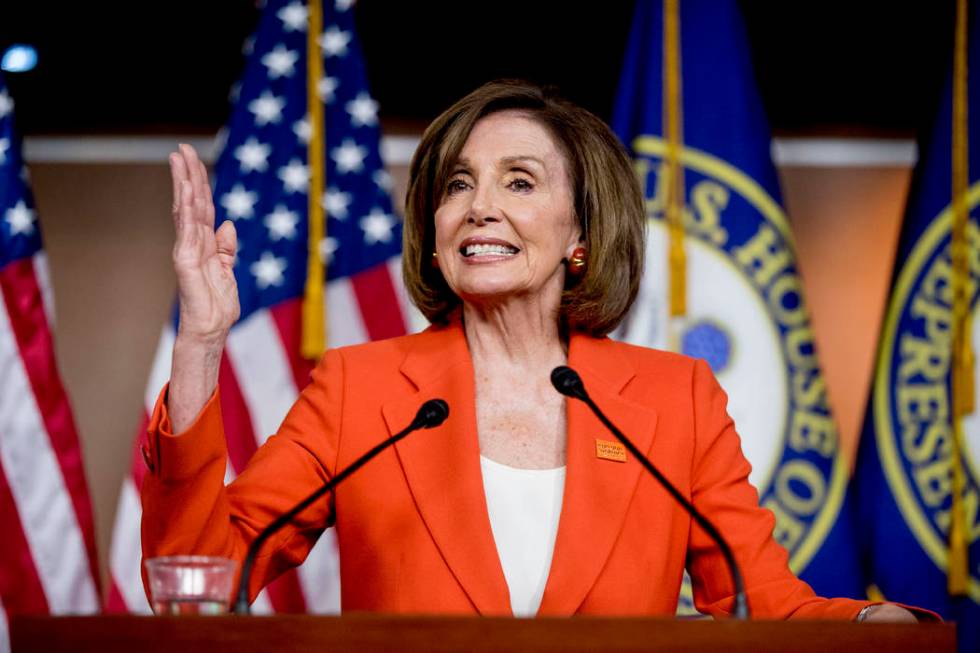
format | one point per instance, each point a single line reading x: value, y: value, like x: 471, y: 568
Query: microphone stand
x: 569, y: 383
x: 431, y: 414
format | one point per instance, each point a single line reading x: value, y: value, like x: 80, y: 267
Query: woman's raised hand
x: 206, y: 289
x: 203, y: 258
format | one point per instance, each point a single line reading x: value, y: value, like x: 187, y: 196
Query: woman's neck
x: 515, y: 334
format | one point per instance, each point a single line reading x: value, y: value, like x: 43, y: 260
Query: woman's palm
x: 203, y: 258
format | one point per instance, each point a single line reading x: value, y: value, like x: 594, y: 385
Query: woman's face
x: 506, y: 218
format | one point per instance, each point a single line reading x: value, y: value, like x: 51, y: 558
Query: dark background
x: 829, y: 68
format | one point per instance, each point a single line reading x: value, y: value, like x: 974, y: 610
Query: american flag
x: 262, y: 182
x: 47, y: 539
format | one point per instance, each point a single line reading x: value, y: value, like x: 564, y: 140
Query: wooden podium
x: 367, y: 633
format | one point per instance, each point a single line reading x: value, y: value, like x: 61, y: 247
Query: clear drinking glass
x: 182, y: 585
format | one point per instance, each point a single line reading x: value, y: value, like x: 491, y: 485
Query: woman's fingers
x: 184, y: 220
x: 195, y: 169
x: 178, y: 173
x: 205, y: 194
x: 192, y: 208
x: 227, y: 241
x: 185, y: 165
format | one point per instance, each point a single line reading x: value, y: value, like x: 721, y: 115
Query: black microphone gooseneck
x: 569, y: 383
x: 431, y: 414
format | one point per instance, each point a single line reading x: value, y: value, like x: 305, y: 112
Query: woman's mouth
x: 487, y: 249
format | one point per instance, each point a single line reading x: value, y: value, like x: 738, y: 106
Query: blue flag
x: 745, y: 310
x: 903, y: 477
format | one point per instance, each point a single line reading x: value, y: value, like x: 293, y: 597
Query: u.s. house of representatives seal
x: 912, y: 400
x: 747, y: 318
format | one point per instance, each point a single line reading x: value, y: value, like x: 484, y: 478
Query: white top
x: 524, y: 506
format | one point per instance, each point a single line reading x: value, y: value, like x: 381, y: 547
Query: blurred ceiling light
x: 19, y: 58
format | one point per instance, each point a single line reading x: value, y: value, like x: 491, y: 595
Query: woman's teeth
x: 486, y: 248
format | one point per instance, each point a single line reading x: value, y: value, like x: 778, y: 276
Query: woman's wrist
x: 863, y: 614
x: 204, y: 341
x: 885, y: 613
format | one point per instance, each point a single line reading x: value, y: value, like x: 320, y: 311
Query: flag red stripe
x: 20, y: 585
x: 22, y: 296
x: 286, y: 593
x: 378, y: 301
x: 115, y: 603
x: 234, y: 414
x: 288, y: 318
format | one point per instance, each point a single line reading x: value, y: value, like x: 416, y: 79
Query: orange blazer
x: 412, y: 525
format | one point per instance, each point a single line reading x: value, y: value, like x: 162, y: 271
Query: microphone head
x: 432, y: 413
x: 568, y: 382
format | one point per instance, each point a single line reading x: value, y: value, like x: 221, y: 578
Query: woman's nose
x: 483, y: 209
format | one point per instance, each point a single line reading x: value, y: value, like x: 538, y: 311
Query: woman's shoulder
x: 648, y: 358
x: 434, y: 341
x: 378, y: 350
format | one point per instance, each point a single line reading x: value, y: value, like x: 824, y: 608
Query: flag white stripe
x: 160, y: 371
x: 4, y: 630
x: 43, y: 276
x: 319, y: 576
x: 345, y: 324
x: 414, y: 320
x: 264, y: 374
x: 261, y: 604
x: 126, y: 554
x: 46, y: 511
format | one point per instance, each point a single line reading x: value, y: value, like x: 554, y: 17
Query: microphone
x: 431, y: 414
x: 569, y: 383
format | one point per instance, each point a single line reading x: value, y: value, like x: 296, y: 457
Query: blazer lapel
x: 597, y: 491
x: 443, y: 466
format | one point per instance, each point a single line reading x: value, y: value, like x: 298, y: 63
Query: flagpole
x: 314, y: 337
x: 677, y: 259
x: 963, y: 358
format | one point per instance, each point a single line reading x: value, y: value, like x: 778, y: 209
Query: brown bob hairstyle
x: 608, y: 204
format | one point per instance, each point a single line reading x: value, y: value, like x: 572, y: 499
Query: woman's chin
x: 488, y: 296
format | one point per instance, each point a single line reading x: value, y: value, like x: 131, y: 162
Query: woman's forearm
x: 193, y: 378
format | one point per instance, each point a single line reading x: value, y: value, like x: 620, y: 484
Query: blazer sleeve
x: 721, y: 490
x: 188, y: 510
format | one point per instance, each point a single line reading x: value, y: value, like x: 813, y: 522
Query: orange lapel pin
x: 607, y: 450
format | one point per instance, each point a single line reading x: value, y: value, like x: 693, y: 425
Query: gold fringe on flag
x: 677, y: 259
x: 314, y: 338
x: 962, y: 360
x: 874, y: 594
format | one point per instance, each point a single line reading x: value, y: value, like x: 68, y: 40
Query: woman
x: 523, y: 245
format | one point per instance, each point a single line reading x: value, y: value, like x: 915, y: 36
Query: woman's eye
x: 520, y: 184
x: 456, y: 185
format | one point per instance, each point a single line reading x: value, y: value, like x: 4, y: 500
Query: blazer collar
x: 443, y: 469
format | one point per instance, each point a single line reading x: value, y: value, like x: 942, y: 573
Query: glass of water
x: 182, y: 585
